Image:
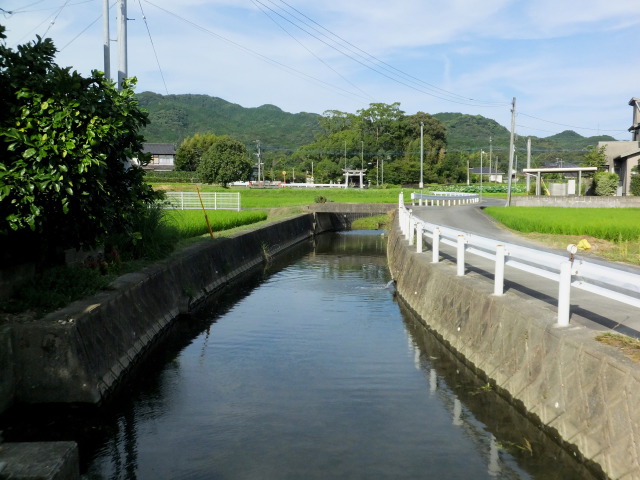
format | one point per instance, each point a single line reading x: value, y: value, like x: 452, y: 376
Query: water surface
x: 313, y: 370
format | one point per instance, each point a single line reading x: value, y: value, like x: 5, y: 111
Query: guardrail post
x: 460, y: 256
x: 435, y: 252
x: 400, y: 199
x: 411, y: 229
x: 419, y: 229
x: 408, y: 227
x: 498, y: 285
x: 564, y: 294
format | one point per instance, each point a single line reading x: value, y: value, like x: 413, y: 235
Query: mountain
x: 175, y: 117
x: 472, y: 132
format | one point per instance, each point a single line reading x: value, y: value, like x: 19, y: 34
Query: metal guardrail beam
x: 568, y: 271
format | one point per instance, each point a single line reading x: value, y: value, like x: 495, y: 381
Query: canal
x: 311, y: 369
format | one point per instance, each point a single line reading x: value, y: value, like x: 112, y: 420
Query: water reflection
x: 311, y: 370
x: 514, y: 447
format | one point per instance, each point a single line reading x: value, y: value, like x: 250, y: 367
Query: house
x: 488, y: 174
x: 622, y: 156
x: 163, y: 155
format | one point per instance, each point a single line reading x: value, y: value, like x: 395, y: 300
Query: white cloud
x: 566, y: 61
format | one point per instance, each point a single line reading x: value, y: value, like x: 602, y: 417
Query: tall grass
x: 192, y: 223
x: 612, y: 224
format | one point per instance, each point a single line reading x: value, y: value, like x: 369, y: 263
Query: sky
x: 569, y: 64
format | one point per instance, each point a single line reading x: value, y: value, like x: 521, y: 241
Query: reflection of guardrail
x: 445, y: 198
x: 606, y: 281
x: 211, y: 200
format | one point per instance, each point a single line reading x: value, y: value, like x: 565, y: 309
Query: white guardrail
x: 446, y: 199
x: 210, y: 200
x: 568, y: 271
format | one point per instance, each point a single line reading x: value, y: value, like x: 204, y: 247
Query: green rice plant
x: 612, y: 224
x: 191, y: 223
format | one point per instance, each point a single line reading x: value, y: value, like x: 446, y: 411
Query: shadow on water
x: 477, y: 408
x: 114, y: 421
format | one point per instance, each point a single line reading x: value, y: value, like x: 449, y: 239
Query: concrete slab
x: 39, y: 461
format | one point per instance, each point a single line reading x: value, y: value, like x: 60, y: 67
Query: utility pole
x: 422, y: 157
x: 106, y: 47
x: 491, y: 156
x: 122, y: 43
x: 482, y: 171
x: 259, y: 155
x: 528, y: 163
x: 345, y: 156
x: 362, y: 154
x: 511, y: 149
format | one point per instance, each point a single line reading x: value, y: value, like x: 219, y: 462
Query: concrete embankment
x: 582, y: 393
x: 81, y: 353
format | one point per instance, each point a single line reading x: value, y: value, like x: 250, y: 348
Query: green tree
x: 192, y: 149
x: 65, y: 141
x: 595, y: 157
x: 327, y: 171
x: 224, y: 162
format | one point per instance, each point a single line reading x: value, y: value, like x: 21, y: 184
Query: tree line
x: 380, y: 139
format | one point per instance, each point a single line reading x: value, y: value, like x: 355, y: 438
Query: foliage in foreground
x: 65, y: 141
x: 160, y: 231
x: 613, y: 224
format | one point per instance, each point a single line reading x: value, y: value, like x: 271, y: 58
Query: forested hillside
x: 175, y: 117
x: 382, y: 138
x: 472, y: 132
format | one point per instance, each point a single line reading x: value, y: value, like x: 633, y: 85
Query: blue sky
x: 570, y: 64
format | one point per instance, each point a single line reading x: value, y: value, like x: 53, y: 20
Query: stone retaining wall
x: 575, y: 202
x: 582, y: 393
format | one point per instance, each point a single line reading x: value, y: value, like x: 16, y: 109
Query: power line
x: 456, y: 98
x: 262, y: 57
x: 153, y: 47
x: 571, y: 126
x: 259, y: 4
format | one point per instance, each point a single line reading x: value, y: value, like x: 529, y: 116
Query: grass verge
x: 629, y: 346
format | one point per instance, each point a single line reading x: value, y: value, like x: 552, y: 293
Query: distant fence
x: 211, y: 200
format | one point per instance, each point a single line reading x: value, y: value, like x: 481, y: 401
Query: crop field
x: 191, y: 223
x: 293, y: 197
x: 612, y: 224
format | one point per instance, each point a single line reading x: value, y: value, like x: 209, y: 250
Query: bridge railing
x: 568, y: 271
x: 445, y: 198
x: 210, y: 200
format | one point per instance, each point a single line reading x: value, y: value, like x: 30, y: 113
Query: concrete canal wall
x: 582, y: 393
x: 84, y: 351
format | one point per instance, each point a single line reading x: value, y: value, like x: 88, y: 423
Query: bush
x: 606, y: 184
x: 173, y: 176
x: 635, y: 185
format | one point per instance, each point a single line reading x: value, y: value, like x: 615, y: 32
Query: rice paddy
x: 612, y: 224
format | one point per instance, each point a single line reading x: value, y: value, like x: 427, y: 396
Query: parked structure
x: 622, y: 156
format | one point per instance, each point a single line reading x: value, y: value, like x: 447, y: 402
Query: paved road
x: 589, y: 310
